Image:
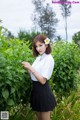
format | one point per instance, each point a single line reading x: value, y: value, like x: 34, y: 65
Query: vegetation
x: 15, y: 82
x: 27, y: 36
x: 65, y: 7
x: 76, y: 38
x: 67, y: 61
x: 44, y: 18
x: 5, y: 31
x: 68, y: 109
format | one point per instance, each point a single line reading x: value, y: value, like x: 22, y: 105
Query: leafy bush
x: 76, y: 38
x: 68, y: 109
x: 22, y: 112
x: 27, y: 36
x: 15, y: 83
x: 67, y: 61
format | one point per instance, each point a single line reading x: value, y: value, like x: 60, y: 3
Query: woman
x: 42, y: 99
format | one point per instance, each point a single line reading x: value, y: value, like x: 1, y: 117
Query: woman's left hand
x: 26, y: 65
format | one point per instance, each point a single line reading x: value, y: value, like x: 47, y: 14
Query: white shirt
x: 44, y: 65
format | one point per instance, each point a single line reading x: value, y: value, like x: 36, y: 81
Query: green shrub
x: 67, y: 60
x: 21, y: 112
x: 15, y: 83
x: 27, y: 36
x: 68, y: 109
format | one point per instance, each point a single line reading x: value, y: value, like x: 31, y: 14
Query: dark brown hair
x: 41, y: 39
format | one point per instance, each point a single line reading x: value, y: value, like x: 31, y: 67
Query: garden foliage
x: 68, y: 109
x: 15, y: 81
x: 67, y: 62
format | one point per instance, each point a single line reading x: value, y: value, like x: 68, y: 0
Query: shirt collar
x: 42, y: 56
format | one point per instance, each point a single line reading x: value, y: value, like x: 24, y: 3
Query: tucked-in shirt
x: 44, y: 65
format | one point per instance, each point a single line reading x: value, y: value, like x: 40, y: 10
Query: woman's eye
x: 40, y: 45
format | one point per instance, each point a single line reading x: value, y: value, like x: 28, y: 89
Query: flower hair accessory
x: 47, y: 41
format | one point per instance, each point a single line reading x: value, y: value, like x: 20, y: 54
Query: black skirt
x: 42, y: 98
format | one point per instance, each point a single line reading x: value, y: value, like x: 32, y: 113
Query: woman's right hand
x: 26, y: 65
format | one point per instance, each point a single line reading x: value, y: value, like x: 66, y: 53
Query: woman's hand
x: 26, y: 65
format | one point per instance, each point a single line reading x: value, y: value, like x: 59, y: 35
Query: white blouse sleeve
x: 48, y: 66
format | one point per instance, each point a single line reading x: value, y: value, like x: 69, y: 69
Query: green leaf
x: 12, y: 90
x: 5, y: 93
x: 10, y: 102
x: 1, y: 84
x: 9, y: 82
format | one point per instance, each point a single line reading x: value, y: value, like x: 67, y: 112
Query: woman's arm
x: 40, y: 78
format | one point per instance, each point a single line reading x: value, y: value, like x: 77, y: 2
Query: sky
x: 17, y: 14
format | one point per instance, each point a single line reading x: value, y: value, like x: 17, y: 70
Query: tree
x: 27, y: 36
x: 9, y: 35
x: 65, y: 7
x: 44, y: 18
x: 76, y: 38
x: 2, y: 29
x: 58, y: 38
x: 6, y: 32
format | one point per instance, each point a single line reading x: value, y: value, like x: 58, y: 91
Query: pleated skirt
x: 42, y: 98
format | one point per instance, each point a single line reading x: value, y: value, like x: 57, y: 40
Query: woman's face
x: 40, y: 47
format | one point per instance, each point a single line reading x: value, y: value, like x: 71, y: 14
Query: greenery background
x: 15, y: 82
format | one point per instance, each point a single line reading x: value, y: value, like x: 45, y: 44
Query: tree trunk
x: 66, y: 28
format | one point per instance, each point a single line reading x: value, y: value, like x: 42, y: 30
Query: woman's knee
x: 45, y: 115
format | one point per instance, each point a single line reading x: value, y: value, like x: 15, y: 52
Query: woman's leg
x: 45, y: 115
x: 38, y: 115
